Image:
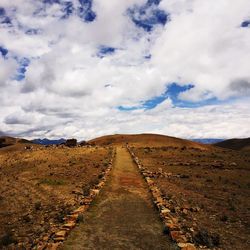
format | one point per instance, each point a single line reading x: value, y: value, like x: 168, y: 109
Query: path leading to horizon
x: 122, y: 217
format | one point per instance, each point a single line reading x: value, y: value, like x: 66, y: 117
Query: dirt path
x: 122, y: 216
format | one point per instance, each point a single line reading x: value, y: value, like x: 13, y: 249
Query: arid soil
x: 40, y: 186
x: 123, y: 216
x: 208, y: 190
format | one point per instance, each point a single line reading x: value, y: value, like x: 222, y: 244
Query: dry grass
x: 39, y: 187
x: 215, y: 180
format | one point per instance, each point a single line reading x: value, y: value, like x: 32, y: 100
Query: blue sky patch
x: 105, y: 51
x: 32, y: 31
x: 23, y: 64
x: 85, y: 11
x: 51, y: 1
x: 2, y: 12
x: 245, y: 24
x: 172, y: 92
x: 67, y: 9
x: 4, y: 19
x: 148, y: 15
x: 3, y: 51
x: 123, y: 108
x: 151, y: 2
x: 148, y: 56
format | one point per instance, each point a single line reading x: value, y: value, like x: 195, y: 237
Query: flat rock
x: 43, y: 246
x: 72, y: 217
x: 165, y: 211
x: 172, y: 226
x: 178, y: 237
x: 186, y: 246
x: 94, y: 192
x: 53, y: 246
x: 62, y: 233
x: 69, y: 225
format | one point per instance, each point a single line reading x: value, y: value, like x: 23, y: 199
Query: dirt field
x: 208, y: 190
x: 39, y: 187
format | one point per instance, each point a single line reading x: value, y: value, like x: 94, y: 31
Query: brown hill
x: 236, y: 144
x: 11, y: 142
x: 145, y: 140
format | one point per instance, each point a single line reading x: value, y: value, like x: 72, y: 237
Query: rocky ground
x: 206, y: 192
x: 40, y: 186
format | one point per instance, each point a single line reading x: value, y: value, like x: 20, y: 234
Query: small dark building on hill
x: 71, y: 143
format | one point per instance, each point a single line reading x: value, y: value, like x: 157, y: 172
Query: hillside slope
x: 145, y: 140
x: 11, y: 142
x: 236, y: 144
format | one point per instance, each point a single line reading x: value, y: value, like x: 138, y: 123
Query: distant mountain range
x: 207, y: 140
x: 46, y: 141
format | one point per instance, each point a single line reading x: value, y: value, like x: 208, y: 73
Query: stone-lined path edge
x: 55, y: 241
x: 170, y: 222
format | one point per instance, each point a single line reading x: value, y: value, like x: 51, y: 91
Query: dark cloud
x: 27, y: 133
x: 241, y: 86
x: 12, y: 119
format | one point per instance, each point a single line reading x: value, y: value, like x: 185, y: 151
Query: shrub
x: 60, y: 217
x: 224, y: 218
x: 203, y: 237
x: 165, y: 230
x: 100, y: 176
x: 86, y: 189
x: 105, y: 163
x: 209, y: 180
x: 7, y: 239
x: 80, y: 218
x: 38, y: 205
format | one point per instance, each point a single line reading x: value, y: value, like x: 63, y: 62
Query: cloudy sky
x: 85, y: 68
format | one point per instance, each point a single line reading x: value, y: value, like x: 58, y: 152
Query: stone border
x: 55, y: 240
x: 170, y: 221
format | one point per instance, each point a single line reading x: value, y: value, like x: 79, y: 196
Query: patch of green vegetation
x: 80, y: 218
x: 51, y: 182
x: 105, y: 163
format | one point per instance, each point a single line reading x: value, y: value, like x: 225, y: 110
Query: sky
x: 87, y: 68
